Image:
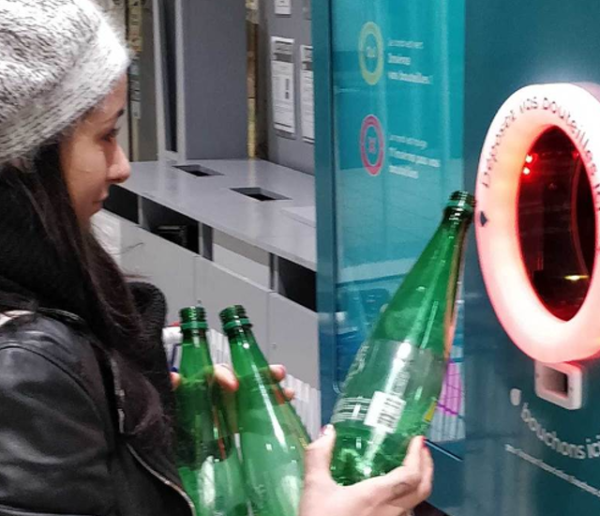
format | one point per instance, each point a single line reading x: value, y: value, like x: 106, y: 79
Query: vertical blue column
x: 389, y: 140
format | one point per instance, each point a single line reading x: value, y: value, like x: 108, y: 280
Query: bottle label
x: 351, y: 409
x: 431, y: 412
x: 385, y: 411
x: 393, y: 387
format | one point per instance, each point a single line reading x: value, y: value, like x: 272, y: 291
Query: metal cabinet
x: 171, y: 268
x: 120, y: 238
x: 218, y: 288
x: 294, y: 338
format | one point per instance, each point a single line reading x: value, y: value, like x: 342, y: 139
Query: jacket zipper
x: 163, y: 479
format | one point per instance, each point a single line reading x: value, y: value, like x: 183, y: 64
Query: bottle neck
x: 245, y: 352
x: 424, y: 305
x: 449, y: 238
x: 447, y: 241
x: 457, y: 227
x: 241, y: 334
x: 194, y: 336
x: 456, y: 218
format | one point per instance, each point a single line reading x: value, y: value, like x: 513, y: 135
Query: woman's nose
x: 120, y: 170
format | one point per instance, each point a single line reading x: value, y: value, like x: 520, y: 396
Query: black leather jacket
x: 62, y: 451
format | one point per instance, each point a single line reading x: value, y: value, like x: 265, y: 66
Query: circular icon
x: 370, y: 53
x: 371, y: 145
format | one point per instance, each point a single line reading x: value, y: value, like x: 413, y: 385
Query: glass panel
x: 557, y: 226
x: 398, y: 102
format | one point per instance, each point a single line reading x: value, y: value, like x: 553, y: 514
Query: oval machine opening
x: 556, y: 223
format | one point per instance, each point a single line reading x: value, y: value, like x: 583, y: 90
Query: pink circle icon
x: 371, y: 145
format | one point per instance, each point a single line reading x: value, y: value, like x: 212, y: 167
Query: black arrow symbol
x: 483, y: 220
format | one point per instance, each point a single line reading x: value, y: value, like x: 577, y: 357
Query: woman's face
x: 91, y: 158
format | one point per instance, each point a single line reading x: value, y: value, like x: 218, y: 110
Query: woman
x: 86, y: 404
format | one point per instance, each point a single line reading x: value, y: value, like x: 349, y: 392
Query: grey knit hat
x: 58, y: 59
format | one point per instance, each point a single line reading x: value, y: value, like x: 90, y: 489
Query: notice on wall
x: 283, y: 7
x: 307, y: 94
x: 282, y: 86
x: 135, y: 92
x: 134, y: 25
x: 252, y: 11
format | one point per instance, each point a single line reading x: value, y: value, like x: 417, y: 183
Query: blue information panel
x: 397, y: 81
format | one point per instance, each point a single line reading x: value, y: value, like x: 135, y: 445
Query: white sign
x: 282, y: 86
x: 135, y: 93
x: 307, y: 94
x: 283, y: 7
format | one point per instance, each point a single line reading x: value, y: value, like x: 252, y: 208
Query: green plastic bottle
x: 273, y: 439
x: 207, y: 458
x: 391, y: 392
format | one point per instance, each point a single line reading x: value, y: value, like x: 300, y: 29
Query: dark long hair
x: 52, y: 262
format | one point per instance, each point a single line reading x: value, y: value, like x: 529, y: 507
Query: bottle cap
x: 462, y: 202
x: 193, y: 318
x: 234, y: 317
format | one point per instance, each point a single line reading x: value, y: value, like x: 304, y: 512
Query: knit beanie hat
x: 58, y: 59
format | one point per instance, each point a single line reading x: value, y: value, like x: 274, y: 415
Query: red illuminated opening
x: 557, y: 226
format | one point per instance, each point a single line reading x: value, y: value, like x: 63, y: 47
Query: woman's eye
x: 111, y: 136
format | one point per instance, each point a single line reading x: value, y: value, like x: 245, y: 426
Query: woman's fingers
x: 414, y: 455
x: 403, y: 482
x: 175, y: 380
x: 226, y: 378
x: 317, y: 460
x: 279, y: 373
x: 418, y: 488
x: 427, y: 480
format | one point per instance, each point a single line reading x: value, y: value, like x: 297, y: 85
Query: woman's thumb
x: 318, y: 455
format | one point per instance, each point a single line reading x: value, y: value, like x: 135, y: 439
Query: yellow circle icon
x: 366, y: 51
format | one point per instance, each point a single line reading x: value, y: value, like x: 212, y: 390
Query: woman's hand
x: 229, y: 383
x: 394, y: 494
x: 226, y: 379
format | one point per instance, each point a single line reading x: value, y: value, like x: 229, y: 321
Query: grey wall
x: 214, y: 75
x: 202, y: 94
x: 294, y: 153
